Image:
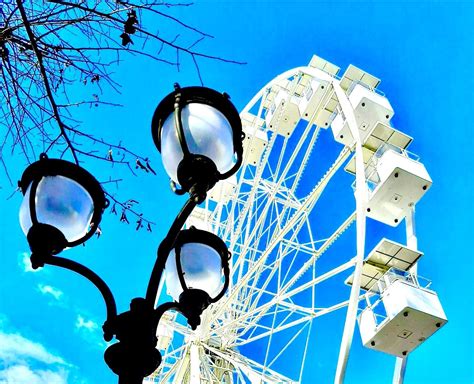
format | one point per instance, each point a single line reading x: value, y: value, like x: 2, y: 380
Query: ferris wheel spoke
x: 270, y: 331
x: 284, y: 293
x: 260, y: 311
x: 261, y: 261
x: 310, y: 262
x: 295, y: 336
x: 256, y: 179
x: 172, y: 363
x: 288, y: 162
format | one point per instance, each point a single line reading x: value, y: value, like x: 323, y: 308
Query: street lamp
x: 197, y: 271
x: 199, y: 133
x: 62, y: 204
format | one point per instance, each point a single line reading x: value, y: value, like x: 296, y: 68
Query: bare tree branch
x: 51, y: 51
x: 47, y: 87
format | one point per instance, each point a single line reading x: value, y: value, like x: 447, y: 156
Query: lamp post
x: 199, y: 134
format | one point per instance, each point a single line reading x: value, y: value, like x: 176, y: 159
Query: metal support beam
x: 195, y: 365
x: 400, y: 367
x: 361, y: 197
x: 412, y: 242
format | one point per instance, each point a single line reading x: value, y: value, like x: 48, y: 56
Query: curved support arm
x: 92, y: 277
x: 165, y: 248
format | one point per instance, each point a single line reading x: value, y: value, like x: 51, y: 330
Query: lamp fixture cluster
x: 199, y: 134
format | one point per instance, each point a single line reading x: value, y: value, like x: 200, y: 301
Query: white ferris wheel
x: 310, y: 135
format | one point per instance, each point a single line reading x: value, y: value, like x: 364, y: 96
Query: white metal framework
x: 271, y: 219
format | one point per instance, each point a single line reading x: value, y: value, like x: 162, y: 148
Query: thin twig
x: 39, y: 56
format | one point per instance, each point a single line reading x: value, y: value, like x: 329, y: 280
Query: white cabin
x: 312, y: 96
x: 370, y: 108
x: 386, y: 254
x: 397, y: 181
x: 283, y: 114
x: 256, y: 139
x: 301, y: 97
x: 400, y: 314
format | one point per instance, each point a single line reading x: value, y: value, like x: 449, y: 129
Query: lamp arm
x: 92, y: 277
x: 165, y: 247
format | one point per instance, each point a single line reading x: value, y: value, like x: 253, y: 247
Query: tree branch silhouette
x: 48, y: 49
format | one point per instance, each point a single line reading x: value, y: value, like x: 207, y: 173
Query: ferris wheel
x: 308, y: 133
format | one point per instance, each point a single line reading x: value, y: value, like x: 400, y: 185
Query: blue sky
x: 422, y: 50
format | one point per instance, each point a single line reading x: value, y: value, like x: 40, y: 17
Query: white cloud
x: 24, y: 361
x: 19, y: 355
x: 25, y: 263
x: 90, y: 331
x: 23, y: 374
x: 49, y: 290
x: 14, y: 347
x: 82, y: 323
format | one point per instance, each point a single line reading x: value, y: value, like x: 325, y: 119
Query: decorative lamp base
x: 197, y: 174
x: 192, y: 302
x: 135, y: 355
x: 45, y: 241
x: 132, y: 363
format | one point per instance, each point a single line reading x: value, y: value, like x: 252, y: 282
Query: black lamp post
x: 199, y: 133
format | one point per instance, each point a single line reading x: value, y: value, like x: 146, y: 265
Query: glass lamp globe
x: 202, y: 263
x: 199, y: 134
x: 207, y: 132
x: 202, y: 268
x: 62, y: 204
